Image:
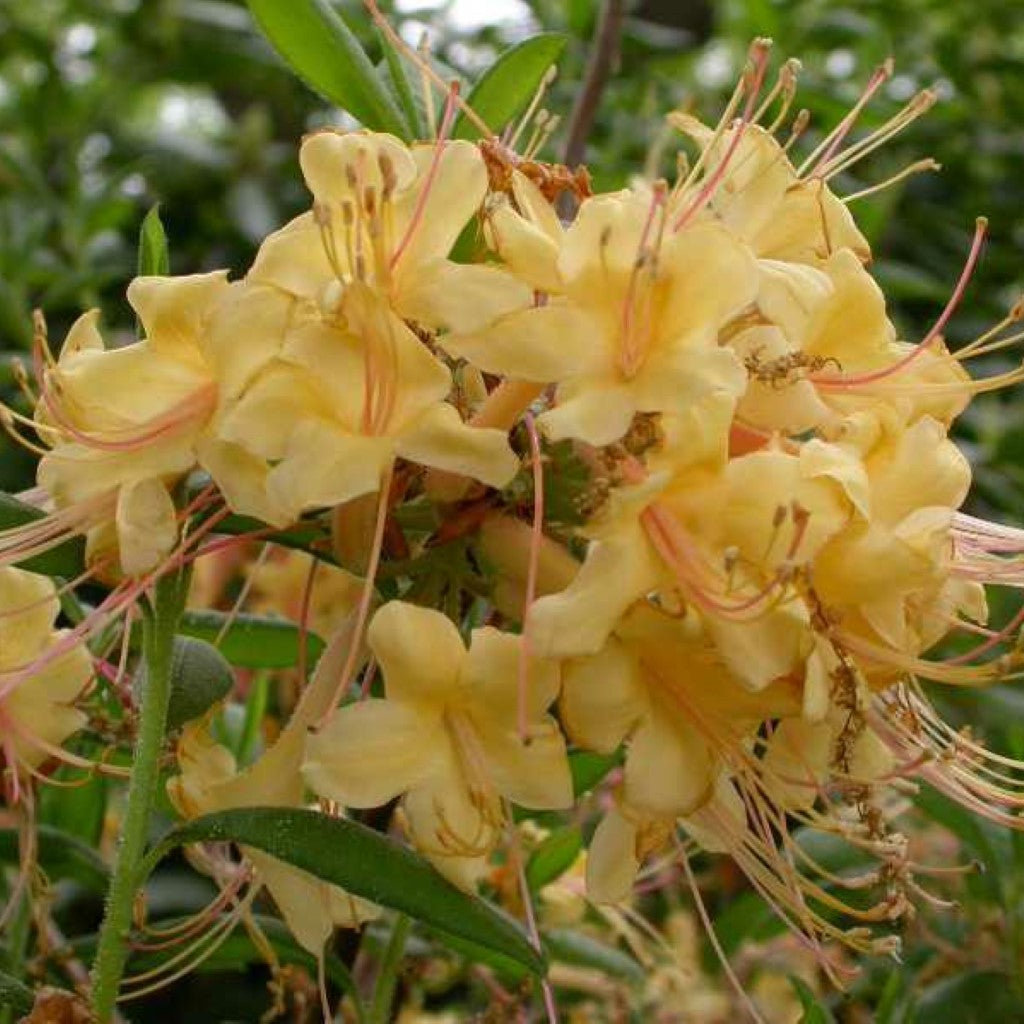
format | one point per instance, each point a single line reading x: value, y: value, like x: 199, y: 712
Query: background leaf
x: 505, y: 89
x: 252, y: 641
x: 364, y: 863
x: 324, y: 52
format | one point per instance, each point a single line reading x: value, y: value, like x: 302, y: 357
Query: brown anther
x: 321, y: 214
x: 370, y: 200
x: 389, y: 179
x: 348, y: 213
x: 351, y: 178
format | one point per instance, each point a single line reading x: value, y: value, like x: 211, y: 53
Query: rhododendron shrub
x: 500, y: 479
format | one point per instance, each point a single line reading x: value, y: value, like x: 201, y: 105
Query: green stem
x: 384, y: 990
x: 17, y: 946
x: 112, y: 949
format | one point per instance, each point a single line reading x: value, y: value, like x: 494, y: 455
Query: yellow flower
x: 123, y: 424
x: 37, y: 712
x: 724, y: 535
x: 210, y: 781
x: 446, y: 737
x: 322, y: 422
x: 762, y: 199
x: 388, y: 215
x: 637, y: 327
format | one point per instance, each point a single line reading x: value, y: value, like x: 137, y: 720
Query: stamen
x: 917, y: 167
x: 536, y: 535
x: 549, y: 76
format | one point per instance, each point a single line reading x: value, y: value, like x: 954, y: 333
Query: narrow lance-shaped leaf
x: 364, y: 863
x: 505, y: 89
x: 322, y: 50
x: 154, y: 256
x: 252, y: 641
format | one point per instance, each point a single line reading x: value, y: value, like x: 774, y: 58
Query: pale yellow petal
x: 599, y: 414
x: 328, y: 157
x: 293, y: 259
x: 669, y: 769
x: 555, y: 342
x: 455, y: 191
x: 147, y: 525
x: 796, y: 761
x: 174, y: 310
x: 420, y: 653
x: 526, y: 248
x: 439, y: 438
x: 602, y: 697
x: 242, y: 479
x: 533, y: 774
x: 28, y: 607
x: 460, y: 297
x: 84, y: 336
x: 371, y: 751
x: 676, y: 376
x: 490, y: 675
x: 612, y: 861
x: 579, y: 619
x: 326, y: 466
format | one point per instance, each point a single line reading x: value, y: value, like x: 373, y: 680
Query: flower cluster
x: 765, y: 549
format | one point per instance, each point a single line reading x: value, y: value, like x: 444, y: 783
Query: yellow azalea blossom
x: 209, y: 781
x: 827, y: 349
x: 763, y: 200
x: 446, y: 737
x: 37, y: 712
x: 122, y: 424
x: 637, y: 327
x: 661, y: 682
x: 322, y: 422
x: 890, y: 578
x: 723, y: 534
x: 388, y: 215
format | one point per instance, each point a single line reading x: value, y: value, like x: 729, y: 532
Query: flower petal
x: 293, y: 259
x: 532, y: 774
x: 549, y: 343
x: 28, y: 608
x: 173, y: 310
x: 147, y: 525
x: 669, y: 770
x: 419, y: 651
x: 490, y: 674
x: 596, y: 413
x: 371, y: 751
x: 612, y: 861
x: 439, y: 438
x: 460, y: 296
x: 602, y: 697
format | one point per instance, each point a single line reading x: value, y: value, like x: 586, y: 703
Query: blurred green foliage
x: 107, y: 106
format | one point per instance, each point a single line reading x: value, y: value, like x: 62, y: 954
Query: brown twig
x: 603, y: 56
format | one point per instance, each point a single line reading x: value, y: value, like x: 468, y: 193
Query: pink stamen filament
x: 838, y: 381
x: 760, y: 67
x: 536, y: 536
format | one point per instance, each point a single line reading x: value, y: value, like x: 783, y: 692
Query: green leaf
x: 589, y: 769
x: 19, y: 997
x: 322, y: 50
x: 200, y: 677
x: 154, y: 255
x: 364, y: 863
x: 814, y: 1012
x: 252, y: 641
x: 395, y: 69
x: 553, y: 857
x: 61, y: 856
x: 579, y: 949
x: 66, y: 559
x: 79, y: 810
x: 505, y: 89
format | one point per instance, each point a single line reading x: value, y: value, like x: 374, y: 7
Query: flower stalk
x: 159, y: 625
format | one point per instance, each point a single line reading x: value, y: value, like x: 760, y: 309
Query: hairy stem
x: 158, y: 640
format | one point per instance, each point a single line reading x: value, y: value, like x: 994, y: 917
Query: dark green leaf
x: 579, y: 949
x: 252, y: 641
x: 505, y: 89
x: 200, y: 677
x: 66, y: 559
x: 395, y: 69
x: 364, y: 863
x: 154, y: 256
x: 589, y: 769
x: 553, y: 857
x: 322, y: 50
x: 61, y: 856
x: 16, y: 995
x: 974, y: 997
x: 79, y: 809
